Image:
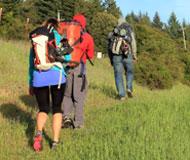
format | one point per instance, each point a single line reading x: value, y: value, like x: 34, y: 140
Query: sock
x: 39, y: 133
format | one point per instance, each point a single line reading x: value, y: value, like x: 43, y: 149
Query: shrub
x: 185, y: 58
x: 152, y: 73
x: 174, y: 65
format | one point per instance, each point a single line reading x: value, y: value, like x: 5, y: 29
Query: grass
x: 154, y: 125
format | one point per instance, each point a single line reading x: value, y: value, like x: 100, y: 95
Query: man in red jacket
x: 76, y: 89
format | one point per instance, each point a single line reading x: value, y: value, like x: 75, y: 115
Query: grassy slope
x: 154, y: 125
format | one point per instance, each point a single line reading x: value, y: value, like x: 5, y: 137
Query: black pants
x: 43, y: 98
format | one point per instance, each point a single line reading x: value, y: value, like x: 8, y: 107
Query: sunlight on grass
x: 154, y: 125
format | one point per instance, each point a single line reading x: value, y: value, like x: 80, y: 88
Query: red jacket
x: 87, y: 44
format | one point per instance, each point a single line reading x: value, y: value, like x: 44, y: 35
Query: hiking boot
x: 129, y: 93
x: 54, y: 145
x: 79, y: 127
x: 122, y: 98
x: 37, y: 145
x: 67, y: 123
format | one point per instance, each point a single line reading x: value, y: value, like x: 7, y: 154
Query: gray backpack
x: 121, y: 40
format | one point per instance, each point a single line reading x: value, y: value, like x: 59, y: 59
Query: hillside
x: 154, y: 125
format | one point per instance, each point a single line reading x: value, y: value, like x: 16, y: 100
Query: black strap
x: 83, y: 82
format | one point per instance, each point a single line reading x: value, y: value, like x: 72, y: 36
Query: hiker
x: 76, y: 87
x: 122, y: 54
x: 46, y: 77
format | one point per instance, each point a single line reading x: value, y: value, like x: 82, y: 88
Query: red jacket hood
x: 81, y: 19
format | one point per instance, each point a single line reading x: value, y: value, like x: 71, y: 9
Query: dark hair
x: 51, y: 21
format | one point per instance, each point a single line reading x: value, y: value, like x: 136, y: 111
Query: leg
x: 67, y: 103
x: 67, y: 107
x: 118, y: 74
x: 79, y: 109
x: 42, y: 97
x: 129, y: 76
x: 80, y: 86
x: 57, y: 97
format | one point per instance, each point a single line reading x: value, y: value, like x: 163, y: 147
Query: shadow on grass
x: 14, y: 113
x: 105, y: 89
x: 29, y: 101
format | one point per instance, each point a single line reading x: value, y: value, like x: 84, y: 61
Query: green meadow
x: 154, y: 125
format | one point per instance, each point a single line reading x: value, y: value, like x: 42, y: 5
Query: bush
x: 153, y: 41
x: 185, y: 58
x: 153, y: 73
x: 174, y: 65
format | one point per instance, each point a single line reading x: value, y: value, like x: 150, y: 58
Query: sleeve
x: 31, y: 66
x: 109, y: 46
x: 134, y: 46
x: 90, y: 48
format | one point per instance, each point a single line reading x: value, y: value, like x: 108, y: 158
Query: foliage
x: 156, y: 21
x: 153, y: 41
x: 173, y: 26
x: 111, y: 8
x: 89, y: 9
x: 158, y: 76
x: 157, y: 50
x: 185, y: 58
x: 157, y: 42
x: 100, y: 29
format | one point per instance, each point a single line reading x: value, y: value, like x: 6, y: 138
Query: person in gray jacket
x: 122, y: 53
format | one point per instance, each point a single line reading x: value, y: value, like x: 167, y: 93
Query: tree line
x: 20, y: 16
x: 160, y: 45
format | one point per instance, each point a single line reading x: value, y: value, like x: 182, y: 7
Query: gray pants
x: 74, y: 97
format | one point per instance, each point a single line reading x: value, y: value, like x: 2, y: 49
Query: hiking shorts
x: 43, y: 98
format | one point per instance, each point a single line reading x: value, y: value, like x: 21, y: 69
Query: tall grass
x: 154, y: 125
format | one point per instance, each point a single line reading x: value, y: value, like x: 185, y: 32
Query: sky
x: 164, y: 8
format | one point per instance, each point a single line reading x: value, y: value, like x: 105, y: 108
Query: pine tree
x: 156, y: 21
x: 67, y: 8
x: 89, y: 9
x: 100, y: 29
x: 46, y: 9
x: 144, y: 18
x: 111, y: 8
x: 174, y: 26
x: 132, y: 18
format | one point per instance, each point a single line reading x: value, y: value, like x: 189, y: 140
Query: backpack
x: 72, y: 32
x: 121, y: 39
x: 42, y: 39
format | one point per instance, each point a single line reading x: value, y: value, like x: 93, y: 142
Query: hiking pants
x: 74, y: 97
x: 121, y: 64
x: 43, y: 98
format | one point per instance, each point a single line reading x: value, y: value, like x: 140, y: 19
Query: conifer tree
x: 67, y: 8
x: 173, y: 26
x: 111, y: 8
x: 156, y: 21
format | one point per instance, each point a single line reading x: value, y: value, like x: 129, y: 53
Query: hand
x: 31, y: 91
x: 134, y: 59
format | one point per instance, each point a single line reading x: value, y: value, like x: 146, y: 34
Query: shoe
x: 122, y: 98
x: 67, y: 123
x: 129, y: 93
x: 37, y: 145
x: 54, y: 145
x: 79, y: 127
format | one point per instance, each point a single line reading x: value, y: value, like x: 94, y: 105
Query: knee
x: 57, y: 109
x: 44, y: 109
